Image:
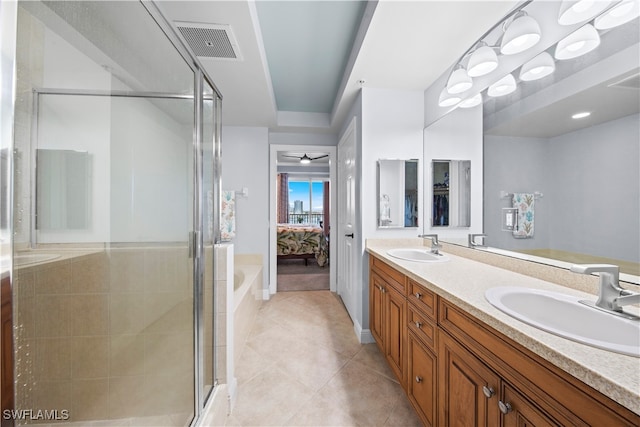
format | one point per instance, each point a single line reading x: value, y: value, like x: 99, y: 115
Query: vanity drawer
x: 423, y: 328
x: 423, y: 299
x: 392, y: 276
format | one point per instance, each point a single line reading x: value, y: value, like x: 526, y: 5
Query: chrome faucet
x: 473, y: 243
x: 611, y: 297
x: 435, y: 246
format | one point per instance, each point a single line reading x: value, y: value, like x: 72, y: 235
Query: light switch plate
x: 509, y: 219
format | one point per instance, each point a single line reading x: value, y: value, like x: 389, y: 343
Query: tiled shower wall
x: 106, y: 335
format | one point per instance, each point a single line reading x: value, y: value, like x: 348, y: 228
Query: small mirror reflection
x: 397, y: 193
x: 451, y: 202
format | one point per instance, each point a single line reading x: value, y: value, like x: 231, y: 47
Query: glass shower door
x: 106, y: 328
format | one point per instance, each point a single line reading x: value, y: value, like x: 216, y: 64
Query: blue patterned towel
x: 524, y: 203
x: 228, y: 216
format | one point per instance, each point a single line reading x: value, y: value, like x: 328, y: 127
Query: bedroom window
x: 306, y: 201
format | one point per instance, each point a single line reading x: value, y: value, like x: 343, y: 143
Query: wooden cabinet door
x: 422, y: 371
x: 518, y: 411
x: 395, y: 307
x: 376, y: 302
x: 463, y: 381
x: 6, y: 335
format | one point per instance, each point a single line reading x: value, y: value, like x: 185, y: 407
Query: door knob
x: 349, y: 235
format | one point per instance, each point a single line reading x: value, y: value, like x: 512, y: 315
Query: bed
x: 302, y: 242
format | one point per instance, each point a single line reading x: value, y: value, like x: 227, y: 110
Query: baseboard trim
x: 364, y: 335
x: 266, y: 295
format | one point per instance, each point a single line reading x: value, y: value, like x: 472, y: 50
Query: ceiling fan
x: 305, y: 159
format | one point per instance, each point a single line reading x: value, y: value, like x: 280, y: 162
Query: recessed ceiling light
x: 581, y: 115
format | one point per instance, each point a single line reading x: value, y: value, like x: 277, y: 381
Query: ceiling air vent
x: 631, y: 82
x: 214, y: 41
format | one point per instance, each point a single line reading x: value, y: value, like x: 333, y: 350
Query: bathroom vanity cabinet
x: 457, y: 370
x: 388, y: 314
x: 6, y: 335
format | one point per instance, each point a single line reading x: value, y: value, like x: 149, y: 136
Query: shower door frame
x: 200, y: 75
x: 196, y: 236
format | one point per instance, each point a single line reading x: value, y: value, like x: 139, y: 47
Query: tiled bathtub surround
x: 107, y: 334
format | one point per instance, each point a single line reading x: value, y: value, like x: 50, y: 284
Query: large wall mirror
x: 397, y: 193
x: 570, y: 141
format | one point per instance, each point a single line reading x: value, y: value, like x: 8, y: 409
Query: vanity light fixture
x: 538, y: 67
x: 448, y: 100
x: 482, y: 61
x: 502, y: 87
x: 573, y: 12
x: 581, y: 115
x: 578, y: 43
x: 519, y: 35
x: 472, y: 102
x: 459, y: 81
x: 619, y: 14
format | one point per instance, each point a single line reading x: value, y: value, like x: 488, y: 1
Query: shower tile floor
x: 303, y: 366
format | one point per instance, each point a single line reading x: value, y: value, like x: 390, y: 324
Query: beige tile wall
x: 107, y: 335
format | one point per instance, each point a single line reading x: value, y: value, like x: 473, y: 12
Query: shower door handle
x: 192, y: 244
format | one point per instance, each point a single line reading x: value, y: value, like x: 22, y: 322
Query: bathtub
x: 247, y: 297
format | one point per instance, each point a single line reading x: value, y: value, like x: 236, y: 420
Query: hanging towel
x: 228, y: 216
x: 524, y: 203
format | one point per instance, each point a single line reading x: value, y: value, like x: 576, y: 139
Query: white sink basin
x: 565, y: 316
x: 416, y: 254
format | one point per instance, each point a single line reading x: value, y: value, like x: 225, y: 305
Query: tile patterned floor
x: 303, y: 366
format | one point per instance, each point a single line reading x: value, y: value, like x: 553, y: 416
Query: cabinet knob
x: 488, y: 391
x: 418, y: 325
x: 418, y: 295
x: 505, y: 408
x: 418, y: 379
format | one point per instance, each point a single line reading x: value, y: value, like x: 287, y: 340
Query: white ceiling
x: 402, y: 45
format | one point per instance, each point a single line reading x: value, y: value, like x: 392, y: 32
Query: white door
x: 346, y: 285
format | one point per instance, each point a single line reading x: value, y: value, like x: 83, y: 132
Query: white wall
x: 456, y: 136
x: 516, y: 165
x: 595, y: 190
x: 151, y: 157
x: 392, y: 123
x: 245, y: 163
x: 389, y: 126
x: 301, y: 138
x: 591, y: 185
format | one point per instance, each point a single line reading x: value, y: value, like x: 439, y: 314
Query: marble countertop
x: 464, y: 282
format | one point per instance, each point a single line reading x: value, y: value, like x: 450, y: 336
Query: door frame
x: 273, y: 214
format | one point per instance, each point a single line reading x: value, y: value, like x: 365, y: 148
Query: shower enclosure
x: 115, y: 183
